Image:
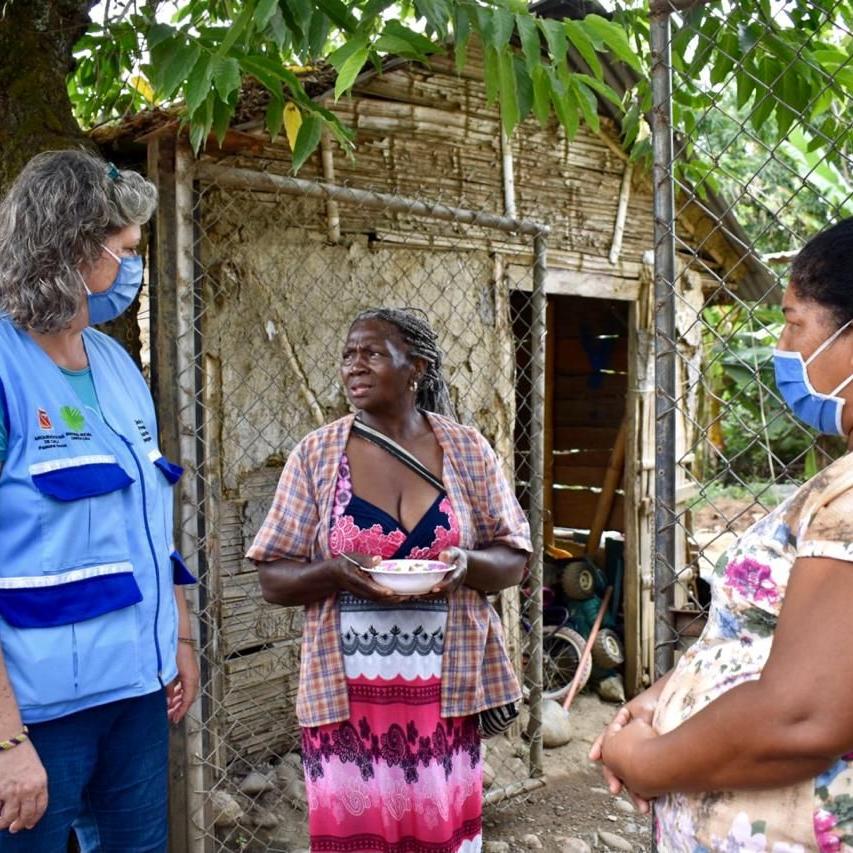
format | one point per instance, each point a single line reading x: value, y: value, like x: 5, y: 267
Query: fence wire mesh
x: 762, y: 140
x: 271, y: 273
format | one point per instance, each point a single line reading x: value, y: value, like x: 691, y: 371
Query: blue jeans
x: 107, y: 777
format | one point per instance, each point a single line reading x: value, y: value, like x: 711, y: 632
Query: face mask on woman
x: 116, y: 299
x: 820, y: 411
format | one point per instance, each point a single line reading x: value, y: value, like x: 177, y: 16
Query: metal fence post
x: 539, y: 306
x: 665, y: 391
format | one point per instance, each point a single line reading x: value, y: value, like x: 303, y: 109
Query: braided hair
x: 413, y: 325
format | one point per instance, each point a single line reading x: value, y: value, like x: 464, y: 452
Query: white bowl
x: 409, y: 577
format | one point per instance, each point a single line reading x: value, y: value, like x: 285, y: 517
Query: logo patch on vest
x: 73, y: 418
x: 44, y: 420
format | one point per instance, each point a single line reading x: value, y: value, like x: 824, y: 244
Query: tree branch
x: 667, y: 7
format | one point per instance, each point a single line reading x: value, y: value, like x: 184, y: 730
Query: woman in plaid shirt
x: 391, y: 688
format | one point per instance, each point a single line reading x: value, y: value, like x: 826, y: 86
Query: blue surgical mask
x: 820, y: 411
x: 116, y: 299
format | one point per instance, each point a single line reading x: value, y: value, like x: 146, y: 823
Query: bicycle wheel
x: 561, y: 653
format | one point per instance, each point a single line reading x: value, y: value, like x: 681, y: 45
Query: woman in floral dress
x: 391, y: 688
x: 747, y: 745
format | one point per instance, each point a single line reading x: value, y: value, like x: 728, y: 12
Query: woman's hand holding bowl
x: 457, y: 560
x: 348, y: 570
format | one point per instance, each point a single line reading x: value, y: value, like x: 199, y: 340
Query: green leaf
x: 176, y: 68
x: 201, y: 121
x: 265, y: 70
x: 222, y: 112
x: 491, y: 72
x: 198, y: 83
x: 400, y: 39
x: 541, y: 95
x: 614, y: 37
x: 565, y: 104
x: 588, y: 104
x: 745, y: 86
x: 156, y: 34
x: 524, y: 87
x: 584, y: 46
x: 318, y: 33
x: 509, y: 92
x: 338, y: 14
x: 725, y: 60
x: 236, y: 30
x: 461, y: 34
x: 437, y: 14
x: 348, y: 72
x: 274, y: 116
x: 601, y: 88
x: 226, y: 75
x: 338, y: 58
x: 503, y: 25
x: 631, y: 125
x: 264, y: 11
x: 530, y: 42
x: 555, y: 35
x: 297, y: 25
x: 307, y: 140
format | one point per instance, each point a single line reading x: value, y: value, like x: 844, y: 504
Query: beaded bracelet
x: 17, y: 740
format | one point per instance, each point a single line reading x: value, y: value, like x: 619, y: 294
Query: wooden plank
x: 576, y: 508
x: 578, y: 385
x: 582, y: 459
x: 585, y: 438
x: 591, y: 284
x: 580, y: 314
x: 579, y: 476
x: 248, y: 621
x: 589, y: 411
x: 259, y: 702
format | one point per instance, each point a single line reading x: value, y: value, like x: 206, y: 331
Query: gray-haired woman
x: 95, y: 648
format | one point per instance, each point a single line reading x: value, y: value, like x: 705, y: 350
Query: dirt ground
x: 574, y: 804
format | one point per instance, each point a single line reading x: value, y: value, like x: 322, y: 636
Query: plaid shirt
x: 476, y: 671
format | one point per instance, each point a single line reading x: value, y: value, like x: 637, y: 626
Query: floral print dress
x: 748, y: 589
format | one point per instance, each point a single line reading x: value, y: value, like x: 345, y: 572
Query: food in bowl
x: 409, y: 577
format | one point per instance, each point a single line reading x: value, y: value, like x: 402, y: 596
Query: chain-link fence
x: 743, y: 120
x: 271, y: 271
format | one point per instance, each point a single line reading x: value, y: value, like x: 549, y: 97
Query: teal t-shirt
x: 84, y: 387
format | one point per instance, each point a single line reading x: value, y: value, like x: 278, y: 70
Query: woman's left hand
x: 457, y: 559
x: 619, y: 753
x: 181, y: 693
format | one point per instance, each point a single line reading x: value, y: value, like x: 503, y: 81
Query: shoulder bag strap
x: 398, y: 452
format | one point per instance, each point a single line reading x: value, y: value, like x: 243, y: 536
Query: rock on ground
x: 532, y: 842
x: 612, y: 841
x: 556, y: 726
x: 256, y: 783
x: 572, y: 845
x: 226, y: 810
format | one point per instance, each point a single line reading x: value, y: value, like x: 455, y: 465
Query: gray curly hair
x: 414, y: 327
x: 53, y: 219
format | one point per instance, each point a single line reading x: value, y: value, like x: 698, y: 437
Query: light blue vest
x: 87, y: 606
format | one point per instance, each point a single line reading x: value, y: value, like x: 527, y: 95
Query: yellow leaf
x: 292, y: 123
x: 301, y: 69
x: 141, y: 85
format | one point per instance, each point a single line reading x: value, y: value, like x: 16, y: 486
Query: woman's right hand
x: 350, y: 577
x: 23, y: 788
x: 641, y: 707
